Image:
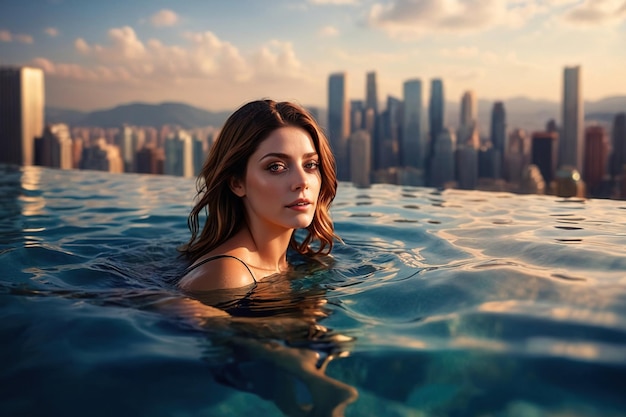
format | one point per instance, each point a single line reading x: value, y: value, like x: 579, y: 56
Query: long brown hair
x: 239, y: 138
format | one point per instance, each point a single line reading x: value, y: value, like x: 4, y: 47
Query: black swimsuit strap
x: 212, y: 258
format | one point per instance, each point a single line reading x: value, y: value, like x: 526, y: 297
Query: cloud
x: 52, y: 32
x: 7, y: 36
x: 163, y: 18
x: 415, y: 18
x: 328, y: 31
x: 596, y: 13
x: 203, y: 56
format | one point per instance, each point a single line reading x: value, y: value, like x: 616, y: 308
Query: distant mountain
x: 70, y: 117
x: 521, y: 112
x: 140, y: 114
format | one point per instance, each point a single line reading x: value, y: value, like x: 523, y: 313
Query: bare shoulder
x: 219, y: 273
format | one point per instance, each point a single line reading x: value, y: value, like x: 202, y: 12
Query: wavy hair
x: 239, y: 138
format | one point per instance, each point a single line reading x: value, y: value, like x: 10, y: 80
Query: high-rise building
x: 179, y: 154
x: 102, y: 156
x: 497, y: 135
x: 571, y: 144
x: 412, y: 149
x: 371, y: 92
x: 435, y: 124
x: 618, y: 153
x: 356, y: 115
x: 435, y: 112
x: 360, y: 167
x: 596, y: 153
x: 517, y: 156
x: 468, y: 127
x: 339, y: 122
x: 466, y: 166
x: 544, y: 154
x: 443, y: 161
x: 55, y: 147
x: 22, y: 103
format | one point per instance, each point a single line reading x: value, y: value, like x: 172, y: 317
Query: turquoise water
x: 449, y: 303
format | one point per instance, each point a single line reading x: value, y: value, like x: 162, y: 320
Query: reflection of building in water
x: 596, y: 153
x: 532, y: 181
x: 571, y: 145
x: 360, y: 158
x: 102, y: 157
x: 568, y: 183
x: 544, y: 154
x: 55, y: 148
x: 21, y: 113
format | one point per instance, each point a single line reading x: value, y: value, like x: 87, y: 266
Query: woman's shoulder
x: 217, y: 271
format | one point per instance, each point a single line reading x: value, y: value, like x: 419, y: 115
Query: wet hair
x: 239, y: 138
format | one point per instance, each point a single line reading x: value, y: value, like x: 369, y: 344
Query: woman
x: 270, y: 172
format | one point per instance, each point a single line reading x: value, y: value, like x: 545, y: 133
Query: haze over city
x: 217, y: 55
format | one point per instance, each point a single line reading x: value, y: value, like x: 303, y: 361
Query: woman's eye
x: 312, y: 165
x: 276, y: 167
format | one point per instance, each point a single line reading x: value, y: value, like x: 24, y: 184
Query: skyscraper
x: 435, y: 111
x: 498, y: 135
x: 371, y: 92
x: 596, y: 153
x: 435, y: 124
x: 360, y: 167
x: 571, y: 144
x: 412, y: 146
x: 468, y: 126
x: 339, y: 122
x: 21, y: 113
x: 544, y: 154
x: 56, y: 147
x: 443, y: 164
x: 618, y: 154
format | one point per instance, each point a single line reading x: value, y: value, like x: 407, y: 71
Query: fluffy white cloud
x: 596, y: 13
x: 7, y: 36
x: 410, y: 19
x: 164, y: 18
x: 202, y: 56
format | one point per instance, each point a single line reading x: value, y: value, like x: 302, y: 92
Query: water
x: 437, y: 304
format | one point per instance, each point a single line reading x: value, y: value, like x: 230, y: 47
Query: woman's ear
x: 237, y: 187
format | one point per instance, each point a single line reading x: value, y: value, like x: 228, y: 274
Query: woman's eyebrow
x: 285, y: 156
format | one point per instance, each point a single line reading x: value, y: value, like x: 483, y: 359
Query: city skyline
x: 218, y: 55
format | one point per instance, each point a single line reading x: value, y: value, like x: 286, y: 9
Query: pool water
x: 437, y: 303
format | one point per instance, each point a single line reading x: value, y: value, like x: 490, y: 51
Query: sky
x: 217, y: 54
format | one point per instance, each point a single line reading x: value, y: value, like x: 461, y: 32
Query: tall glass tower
x: 371, y: 92
x: 412, y: 146
x: 21, y: 113
x: 339, y: 122
x: 571, y: 141
x: 435, y: 112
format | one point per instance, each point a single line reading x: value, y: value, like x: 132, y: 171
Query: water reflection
x: 276, y: 346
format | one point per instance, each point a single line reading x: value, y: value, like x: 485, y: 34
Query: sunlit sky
x: 218, y: 54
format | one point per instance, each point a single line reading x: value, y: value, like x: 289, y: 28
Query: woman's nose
x: 301, y: 180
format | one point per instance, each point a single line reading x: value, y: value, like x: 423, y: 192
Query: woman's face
x: 282, y: 182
